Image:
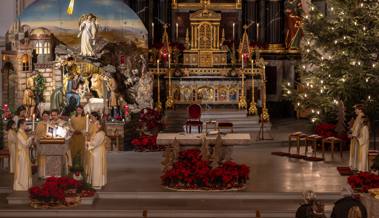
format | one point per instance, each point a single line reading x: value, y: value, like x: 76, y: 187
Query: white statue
x: 87, y: 34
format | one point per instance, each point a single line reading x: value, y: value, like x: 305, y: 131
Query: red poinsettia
x: 363, y: 181
x: 56, y: 189
x: 146, y: 143
x: 191, y: 172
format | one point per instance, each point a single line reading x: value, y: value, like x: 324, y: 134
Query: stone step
x: 222, y: 119
x: 215, y: 195
x: 180, y: 204
x: 76, y: 213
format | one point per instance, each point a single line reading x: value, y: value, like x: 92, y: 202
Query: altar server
x: 77, y: 141
x: 98, y: 161
x: 23, y: 171
x: 12, y: 143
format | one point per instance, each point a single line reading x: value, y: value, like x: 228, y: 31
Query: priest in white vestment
x: 23, y: 170
x: 98, y: 161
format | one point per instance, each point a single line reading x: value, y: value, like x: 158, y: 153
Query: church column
x: 218, y: 36
x: 274, y: 22
x: 192, y: 37
x: 197, y: 36
x: 262, y: 21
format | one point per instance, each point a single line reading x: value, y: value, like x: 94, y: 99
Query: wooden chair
x: 313, y: 141
x: 332, y: 141
x: 194, y: 115
x: 298, y: 137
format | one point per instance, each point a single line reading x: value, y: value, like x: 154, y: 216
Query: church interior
x: 189, y: 108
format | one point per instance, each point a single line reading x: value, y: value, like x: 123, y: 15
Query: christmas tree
x: 339, y: 63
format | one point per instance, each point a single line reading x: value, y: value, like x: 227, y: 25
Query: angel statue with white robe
x: 88, y: 29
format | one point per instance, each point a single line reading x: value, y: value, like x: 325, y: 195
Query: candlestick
x: 158, y: 104
x: 170, y: 99
x: 87, y: 123
x: 234, y: 26
x: 152, y: 33
x: 33, y: 122
x: 177, y: 31
x: 169, y: 74
x: 253, y: 107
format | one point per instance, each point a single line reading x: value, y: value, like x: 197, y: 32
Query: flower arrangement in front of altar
x: 146, y: 143
x: 363, y: 181
x: 150, y: 123
x: 190, y: 172
x: 60, y: 192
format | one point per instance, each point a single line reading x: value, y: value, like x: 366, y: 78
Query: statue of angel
x: 88, y: 29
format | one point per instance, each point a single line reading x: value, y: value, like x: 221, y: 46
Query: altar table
x: 229, y: 139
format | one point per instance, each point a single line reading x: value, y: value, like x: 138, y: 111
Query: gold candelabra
x: 253, y: 106
x: 242, y: 104
x: 170, y: 99
x: 265, y: 114
x: 158, y: 105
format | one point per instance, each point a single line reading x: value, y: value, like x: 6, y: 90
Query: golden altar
x: 203, y: 49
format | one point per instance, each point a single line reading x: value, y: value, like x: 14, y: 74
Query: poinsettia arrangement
x: 58, y: 190
x: 146, y: 143
x: 363, y: 181
x: 326, y: 130
x: 150, y: 123
x: 150, y: 120
x: 191, y: 172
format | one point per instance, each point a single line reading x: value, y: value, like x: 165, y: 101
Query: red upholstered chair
x: 194, y: 114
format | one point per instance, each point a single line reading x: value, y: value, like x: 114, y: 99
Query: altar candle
x: 257, y: 32
x: 177, y: 31
x: 87, y: 122
x: 152, y: 33
x: 234, y: 26
x: 33, y: 122
x: 242, y: 60
x: 158, y: 85
x: 169, y: 61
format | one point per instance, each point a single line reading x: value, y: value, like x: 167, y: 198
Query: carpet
x: 313, y: 159
x: 345, y: 171
x: 298, y: 156
x: 279, y: 153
